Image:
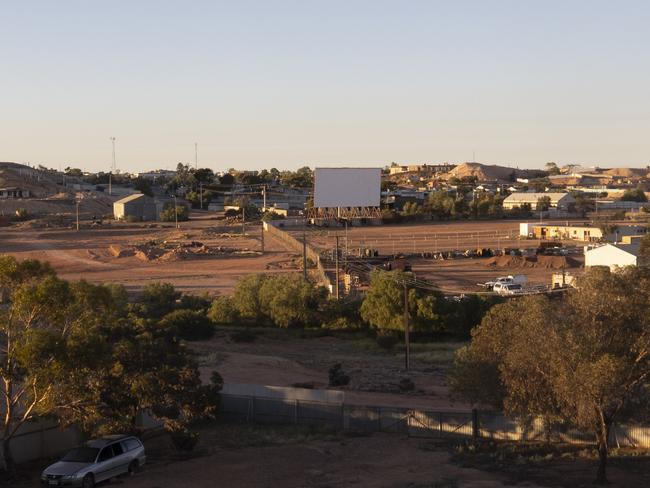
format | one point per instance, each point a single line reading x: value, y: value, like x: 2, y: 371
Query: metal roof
x: 131, y: 198
x: 533, y: 197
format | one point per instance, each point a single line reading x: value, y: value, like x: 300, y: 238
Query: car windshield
x: 81, y: 455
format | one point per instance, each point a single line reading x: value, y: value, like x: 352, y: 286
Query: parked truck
x: 506, y: 280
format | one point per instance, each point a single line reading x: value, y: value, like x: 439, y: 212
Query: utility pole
x: 264, y: 198
x: 304, y: 255
x: 337, y: 267
x: 201, y: 191
x: 407, y: 343
x: 110, y: 183
x: 346, y: 241
x: 262, y: 236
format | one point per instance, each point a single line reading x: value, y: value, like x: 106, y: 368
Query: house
x: 614, y: 256
x: 135, y: 207
x: 14, y: 192
x: 558, y: 201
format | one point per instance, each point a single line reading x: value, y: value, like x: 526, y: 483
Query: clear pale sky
x: 287, y: 83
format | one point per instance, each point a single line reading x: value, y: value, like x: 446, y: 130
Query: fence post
x: 475, y: 426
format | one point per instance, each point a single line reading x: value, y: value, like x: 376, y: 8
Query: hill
x: 484, y: 172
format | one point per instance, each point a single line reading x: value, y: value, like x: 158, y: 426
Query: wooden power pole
x: 336, y: 258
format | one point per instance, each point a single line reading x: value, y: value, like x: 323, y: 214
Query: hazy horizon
x: 287, y: 83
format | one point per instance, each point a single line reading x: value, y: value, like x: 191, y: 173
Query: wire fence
x: 417, y: 422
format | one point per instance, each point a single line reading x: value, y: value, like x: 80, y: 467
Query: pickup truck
x: 510, y: 279
x: 508, y: 289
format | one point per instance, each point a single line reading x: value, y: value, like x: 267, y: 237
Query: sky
x: 260, y: 84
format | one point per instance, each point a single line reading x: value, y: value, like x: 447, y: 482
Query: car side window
x: 131, y: 444
x: 106, y: 454
x: 117, y: 449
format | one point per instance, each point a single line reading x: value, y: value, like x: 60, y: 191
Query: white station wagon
x: 96, y: 461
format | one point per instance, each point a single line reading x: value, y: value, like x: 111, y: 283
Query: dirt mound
x: 627, y: 172
x: 484, y: 172
x: 546, y: 262
x: 118, y: 251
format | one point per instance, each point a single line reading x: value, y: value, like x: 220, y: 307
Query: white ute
x: 507, y: 289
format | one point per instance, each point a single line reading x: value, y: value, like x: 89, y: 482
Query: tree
x: 383, y: 305
x: 636, y: 195
x: 194, y: 197
x: 543, y: 204
x: 143, y: 186
x: 223, y: 311
x: 552, y: 169
x: 32, y: 325
x: 301, y: 178
x: 204, y: 175
x: 169, y: 215
x: 156, y: 300
x: 581, y: 360
x: 73, y: 351
x: 227, y: 179
x: 246, y: 298
x: 290, y: 301
x: 644, y: 248
x: 191, y: 325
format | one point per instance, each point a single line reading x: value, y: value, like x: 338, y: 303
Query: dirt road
x: 85, y: 254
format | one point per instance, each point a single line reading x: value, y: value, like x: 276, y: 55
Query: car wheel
x: 133, y: 468
x: 88, y: 481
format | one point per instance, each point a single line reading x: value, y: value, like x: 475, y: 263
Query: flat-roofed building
x: 558, y: 201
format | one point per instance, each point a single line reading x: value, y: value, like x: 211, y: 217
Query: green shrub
x: 223, y: 311
x: 168, y: 214
x: 199, y: 303
x: 189, y: 324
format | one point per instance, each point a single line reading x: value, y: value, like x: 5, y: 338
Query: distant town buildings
x: 585, y: 233
x: 14, y: 192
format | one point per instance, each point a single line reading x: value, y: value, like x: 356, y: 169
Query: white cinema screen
x: 347, y: 187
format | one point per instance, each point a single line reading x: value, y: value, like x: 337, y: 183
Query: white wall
x: 609, y: 255
x: 347, y: 187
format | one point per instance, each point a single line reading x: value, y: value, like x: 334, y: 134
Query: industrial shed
x: 614, y: 256
x: 135, y: 207
x: 558, y: 201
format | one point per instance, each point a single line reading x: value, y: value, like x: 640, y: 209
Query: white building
x: 613, y: 256
x: 559, y: 201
